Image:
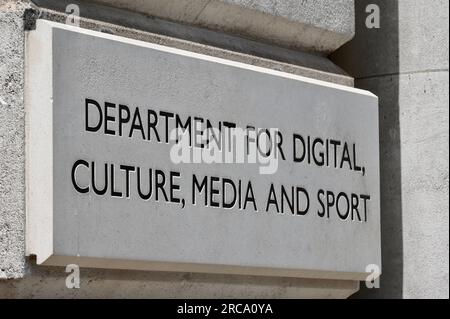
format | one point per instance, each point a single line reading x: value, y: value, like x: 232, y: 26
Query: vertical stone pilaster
x: 12, y: 140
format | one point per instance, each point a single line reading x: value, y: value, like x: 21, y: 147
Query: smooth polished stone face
x: 109, y: 185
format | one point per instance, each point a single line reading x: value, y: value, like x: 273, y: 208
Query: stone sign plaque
x: 141, y: 156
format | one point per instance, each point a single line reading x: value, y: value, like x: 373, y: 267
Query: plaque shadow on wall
x: 372, y: 57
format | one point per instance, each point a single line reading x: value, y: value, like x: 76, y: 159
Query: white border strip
x: 39, y: 143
